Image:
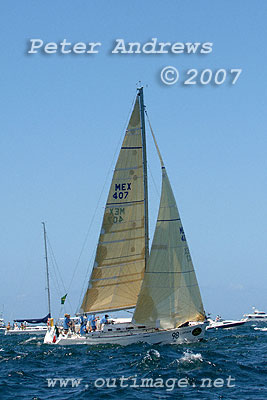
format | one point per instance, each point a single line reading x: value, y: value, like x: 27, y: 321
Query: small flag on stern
x: 63, y: 298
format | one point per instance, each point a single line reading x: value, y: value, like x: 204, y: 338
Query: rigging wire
x: 155, y: 142
x: 57, y: 271
x: 55, y: 262
x: 154, y: 182
x: 156, y: 145
x: 85, y: 279
x: 57, y: 289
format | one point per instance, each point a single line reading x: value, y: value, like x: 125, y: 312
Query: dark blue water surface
x: 235, y: 360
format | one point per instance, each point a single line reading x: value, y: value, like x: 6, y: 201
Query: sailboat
x: 31, y: 326
x: 160, y: 286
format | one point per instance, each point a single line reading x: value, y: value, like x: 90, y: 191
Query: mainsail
x: 36, y: 320
x: 169, y: 294
x: 120, y: 257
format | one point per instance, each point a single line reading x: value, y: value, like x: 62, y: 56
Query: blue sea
x: 228, y: 364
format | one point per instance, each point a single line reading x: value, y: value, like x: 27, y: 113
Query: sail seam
x: 130, y: 148
x: 125, y: 202
x: 125, y: 230
x: 176, y: 288
x: 127, y: 169
x: 119, y: 283
x: 133, y: 129
x: 114, y: 277
x: 169, y: 272
x: 120, y: 265
x: 184, y: 244
x: 130, y: 221
x: 109, y: 309
x: 130, y: 255
x: 122, y: 240
x: 168, y: 220
x: 170, y: 206
x: 123, y: 179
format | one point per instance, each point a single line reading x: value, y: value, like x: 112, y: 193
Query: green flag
x: 63, y: 298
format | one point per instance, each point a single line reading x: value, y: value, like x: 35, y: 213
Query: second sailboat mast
x: 142, y: 115
x: 47, y: 272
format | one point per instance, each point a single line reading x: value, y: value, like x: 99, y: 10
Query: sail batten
x: 122, y: 235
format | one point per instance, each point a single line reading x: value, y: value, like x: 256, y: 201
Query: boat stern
x: 50, y: 336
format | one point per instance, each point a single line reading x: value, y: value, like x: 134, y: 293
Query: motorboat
x: 219, y: 323
x: 256, y: 315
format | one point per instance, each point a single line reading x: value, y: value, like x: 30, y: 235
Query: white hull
x: 188, y: 334
x: 40, y: 331
x: 224, y: 324
x: 258, y: 318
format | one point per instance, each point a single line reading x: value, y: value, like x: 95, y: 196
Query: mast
x: 143, y: 131
x: 47, y: 272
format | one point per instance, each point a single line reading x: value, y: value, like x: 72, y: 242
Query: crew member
x: 66, y: 323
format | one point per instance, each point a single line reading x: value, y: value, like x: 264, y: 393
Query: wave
x: 190, y: 357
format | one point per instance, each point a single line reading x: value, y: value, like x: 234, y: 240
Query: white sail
x: 120, y: 258
x: 169, y: 294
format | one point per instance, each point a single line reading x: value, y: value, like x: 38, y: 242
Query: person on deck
x: 89, y: 320
x: 66, y: 323
x: 83, y: 322
x: 104, y: 321
x: 93, y: 323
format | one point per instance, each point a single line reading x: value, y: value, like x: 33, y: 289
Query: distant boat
x: 2, y: 325
x: 25, y: 329
x: 161, y: 286
x: 2, y: 322
x: 256, y: 316
x: 33, y: 328
x: 220, y: 323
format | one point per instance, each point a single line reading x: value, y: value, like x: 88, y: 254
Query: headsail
x: 120, y: 258
x: 169, y: 294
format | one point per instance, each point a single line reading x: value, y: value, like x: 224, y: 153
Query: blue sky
x: 62, y: 119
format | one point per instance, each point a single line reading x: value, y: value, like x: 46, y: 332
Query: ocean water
x: 228, y: 364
